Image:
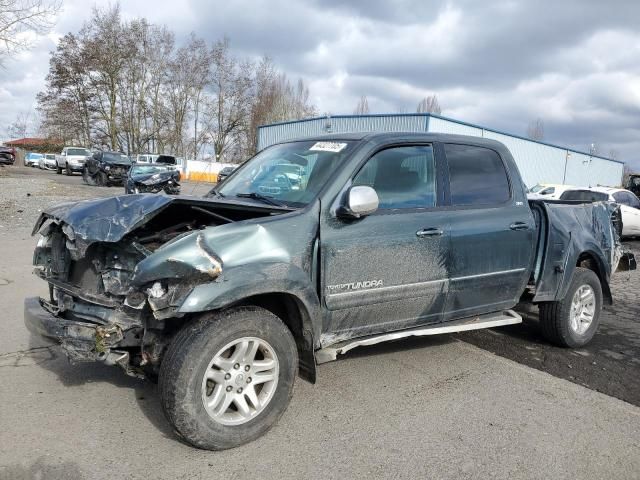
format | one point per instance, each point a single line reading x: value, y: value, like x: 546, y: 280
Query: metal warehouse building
x: 539, y: 162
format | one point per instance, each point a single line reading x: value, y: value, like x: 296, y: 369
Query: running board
x: 507, y: 317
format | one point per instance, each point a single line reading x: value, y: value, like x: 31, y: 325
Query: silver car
x: 71, y: 159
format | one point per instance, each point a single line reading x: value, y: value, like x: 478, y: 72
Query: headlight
x: 107, y: 168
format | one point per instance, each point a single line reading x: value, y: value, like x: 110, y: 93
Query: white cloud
x: 576, y: 65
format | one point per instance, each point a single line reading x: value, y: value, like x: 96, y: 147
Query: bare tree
x: 362, y: 108
x: 535, y: 130
x: 429, y: 104
x: 18, y: 17
x: 614, y: 154
x: 20, y: 126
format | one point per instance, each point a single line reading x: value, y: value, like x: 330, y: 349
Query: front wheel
x: 58, y: 169
x: 228, y: 377
x: 573, y: 321
x: 67, y: 170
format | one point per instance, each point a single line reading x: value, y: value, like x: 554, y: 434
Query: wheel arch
x: 590, y: 260
x: 295, y: 315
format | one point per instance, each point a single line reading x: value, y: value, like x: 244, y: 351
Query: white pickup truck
x: 71, y: 159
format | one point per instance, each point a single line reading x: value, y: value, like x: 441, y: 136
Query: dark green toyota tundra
x: 309, y: 249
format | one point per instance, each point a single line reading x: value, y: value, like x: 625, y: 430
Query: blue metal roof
x: 460, y: 122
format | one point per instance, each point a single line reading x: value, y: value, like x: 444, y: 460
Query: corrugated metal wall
x: 441, y: 125
x: 541, y: 163
x: 538, y: 162
x: 270, y: 134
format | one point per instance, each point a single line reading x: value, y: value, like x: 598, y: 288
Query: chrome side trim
x: 507, y: 317
x: 490, y: 274
x: 371, y: 296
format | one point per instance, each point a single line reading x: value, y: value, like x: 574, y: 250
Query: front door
x: 387, y: 271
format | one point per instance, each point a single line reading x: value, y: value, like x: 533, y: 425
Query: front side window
x: 476, y: 176
x: 403, y: 177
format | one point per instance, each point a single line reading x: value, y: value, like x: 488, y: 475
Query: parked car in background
x: 31, y: 159
x: 7, y: 155
x: 48, y: 161
x: 177, y: 162
x: 547, y: 190
x: 629, y: 204
x: 633, y: 185
x: 106, y: 168
x: 71, y: 159
x: 152, y: 178
x: 224, y: 173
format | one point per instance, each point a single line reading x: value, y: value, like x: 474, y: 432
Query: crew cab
x: 71, y: 159
x: 390, y: 235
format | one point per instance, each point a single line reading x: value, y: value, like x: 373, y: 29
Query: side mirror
x: 361, y: 201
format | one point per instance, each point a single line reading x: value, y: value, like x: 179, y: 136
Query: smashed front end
x: 118, y: 270
x: 168, y: 182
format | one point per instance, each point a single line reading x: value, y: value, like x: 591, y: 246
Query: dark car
x: 226, y: 298
x: 224, y: 173
x: 152, y: 178
x: 634, y: 185
x: 106, y: 168
x: 7, y: 155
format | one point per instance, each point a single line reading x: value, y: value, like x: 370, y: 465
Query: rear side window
x: 627, y: 198
x: 476, y: 176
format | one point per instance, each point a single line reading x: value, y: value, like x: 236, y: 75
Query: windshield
x: 536, y: 188
x: 115, y: 157
x: 50, y: 156
x: 290, y: 174
x: 78, y: 151
x: 148, y: 169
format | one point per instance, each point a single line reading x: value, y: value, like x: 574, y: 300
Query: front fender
x: 244, y: 281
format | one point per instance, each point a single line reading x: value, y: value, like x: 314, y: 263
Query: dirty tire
x: 87, y: 177
x: 188, y: 357
x: 58, y: 170
x: 101, y: 179
x: 67, y: 170
x: 555, y: 317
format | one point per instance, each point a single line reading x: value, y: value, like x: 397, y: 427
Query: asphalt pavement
x: 438, y: 407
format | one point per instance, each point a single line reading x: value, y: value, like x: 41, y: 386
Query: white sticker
x: 328, y: 146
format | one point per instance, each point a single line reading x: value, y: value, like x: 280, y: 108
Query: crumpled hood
x: 155, y: 178
x: 105, y: 219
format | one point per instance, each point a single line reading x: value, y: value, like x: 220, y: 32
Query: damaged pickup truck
x: 226, y: 298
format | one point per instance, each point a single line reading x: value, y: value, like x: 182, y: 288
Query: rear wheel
x: 58, y: 169
x: 227, y: 377
x: 573, y: 321
x: 67, y: 170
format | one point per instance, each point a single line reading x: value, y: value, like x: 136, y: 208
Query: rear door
x: 492, y: 233
x: 387, y: 271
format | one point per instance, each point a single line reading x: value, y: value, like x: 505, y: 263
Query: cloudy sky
x: 573, y: 63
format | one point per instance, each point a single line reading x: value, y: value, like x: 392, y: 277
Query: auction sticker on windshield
x: 328, y: 147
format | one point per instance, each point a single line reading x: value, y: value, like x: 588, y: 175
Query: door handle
x: 519, y: 226
x: 429, y: 232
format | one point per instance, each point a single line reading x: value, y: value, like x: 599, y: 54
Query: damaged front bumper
x: 81, y: 341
